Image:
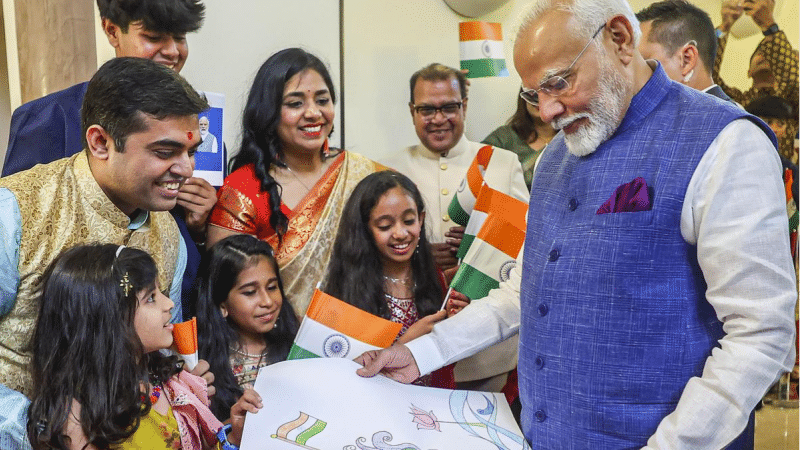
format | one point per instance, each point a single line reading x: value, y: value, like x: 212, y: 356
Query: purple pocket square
x: 630, y: 197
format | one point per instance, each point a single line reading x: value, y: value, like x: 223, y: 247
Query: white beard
x: 604, y: 116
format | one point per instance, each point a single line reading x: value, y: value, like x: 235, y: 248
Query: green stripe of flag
x: 311, y: 432
x: 297, y: 352
x: 466, y: 241
x: 456, y: 211
x: 472, y: 282
x: 484, y: 67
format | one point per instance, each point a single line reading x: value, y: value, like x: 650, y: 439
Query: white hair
x: 588, y: 15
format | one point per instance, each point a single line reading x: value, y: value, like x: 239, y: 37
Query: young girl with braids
x: 382, y: 261
x: 243, y: 320
x: 99, y: 378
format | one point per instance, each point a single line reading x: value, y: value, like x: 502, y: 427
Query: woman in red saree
x: 287, y: 187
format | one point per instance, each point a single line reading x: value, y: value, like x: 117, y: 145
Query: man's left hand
x: 203, y: 369
x: 197, y: 197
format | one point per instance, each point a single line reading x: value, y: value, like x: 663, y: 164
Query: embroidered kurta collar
x: 93, y: 196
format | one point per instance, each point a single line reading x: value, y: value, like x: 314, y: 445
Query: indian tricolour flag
x: 335, y: 329
x: 493, y: 251
x: 482, y: 49
x: 464, y: 201
x: 300, y: 430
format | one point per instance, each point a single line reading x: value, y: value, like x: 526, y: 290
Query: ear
x: 223, y: 309
x: 99, y: 142
x: 464, y: 105
x: 411, y: 110
x: 689, y: 57
x: 112, y: 32
x: 422, y: 220
x: 621, y: 32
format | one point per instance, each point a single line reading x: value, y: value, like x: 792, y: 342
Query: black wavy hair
x: 217, y: 335
x: 85, y: 347
x: 174, y: 17
x: 352, y: 276
x: 124, y: 90
x: 261, y: 145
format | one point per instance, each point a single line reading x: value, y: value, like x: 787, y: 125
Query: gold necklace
x: 297, y: 178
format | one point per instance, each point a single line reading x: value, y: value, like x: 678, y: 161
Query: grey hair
x: 588, y: 15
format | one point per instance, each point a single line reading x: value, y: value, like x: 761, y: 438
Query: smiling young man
x: 141, y: 128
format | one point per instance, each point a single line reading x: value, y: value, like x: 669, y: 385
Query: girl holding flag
x: 244, y: 321
x: 99, y: 379
x: 382, y: 261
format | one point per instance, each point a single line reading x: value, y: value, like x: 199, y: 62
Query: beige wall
x: 386, y: 41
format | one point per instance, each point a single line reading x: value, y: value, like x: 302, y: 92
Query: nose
x: 549, y: 107
x: 438, y: 117
x: 168, y: 303
x: 170, y: 48
x: 312, y: 111
x: 265, y: 300
x: 399, y: 232
x: 184, y: 166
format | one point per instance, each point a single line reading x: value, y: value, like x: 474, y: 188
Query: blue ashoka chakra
x: 336, y: 346
x: 486, y: 48
x: 505, y: 269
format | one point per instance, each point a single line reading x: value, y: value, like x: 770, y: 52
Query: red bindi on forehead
x: 189, y: 135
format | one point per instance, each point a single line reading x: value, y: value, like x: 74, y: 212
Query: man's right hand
x: 395, y: 362
x: 731, y: 11
x: 444, y: 256
x: 761, y: 11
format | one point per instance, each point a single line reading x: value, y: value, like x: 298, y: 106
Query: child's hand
x: 456, y: 303
x: 250, y: 401
x: 202, y: 369
x: 422, y: 326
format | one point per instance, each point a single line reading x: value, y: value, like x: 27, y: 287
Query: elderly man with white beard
x: 654, y: 297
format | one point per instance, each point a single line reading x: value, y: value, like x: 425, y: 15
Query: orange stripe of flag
x: 352, y: 321
x: 502, y: 235
x: 479, y: 31
x: 474, y: 177
x: 185, y: 336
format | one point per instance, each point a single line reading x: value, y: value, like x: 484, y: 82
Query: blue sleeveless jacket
x: 616, y: 319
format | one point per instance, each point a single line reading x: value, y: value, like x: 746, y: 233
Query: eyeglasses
x: 448, y: 110
x: 556, y: 84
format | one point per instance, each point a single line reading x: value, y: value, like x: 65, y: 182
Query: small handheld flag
x: 185, y: 336
x: 335, y: 329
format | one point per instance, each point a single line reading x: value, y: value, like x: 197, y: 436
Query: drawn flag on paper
x: 300, y: 430
x: 493, y: 250
x: 482, y: 49
x: 335, y: 329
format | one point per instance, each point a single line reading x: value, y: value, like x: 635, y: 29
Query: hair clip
x: 125, y: 284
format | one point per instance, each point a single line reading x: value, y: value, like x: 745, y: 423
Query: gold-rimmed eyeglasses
x: 556, y: 84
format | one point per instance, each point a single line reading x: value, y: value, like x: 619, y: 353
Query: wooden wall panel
x: 55, y: 45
